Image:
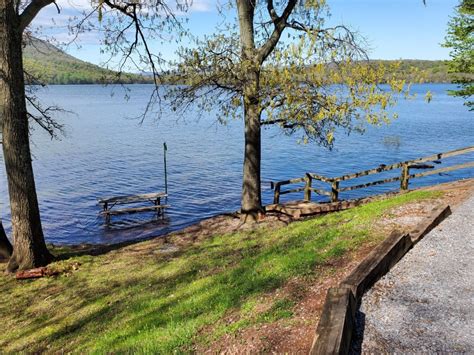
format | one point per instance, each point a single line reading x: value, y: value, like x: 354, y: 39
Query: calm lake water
x: 106, y: 154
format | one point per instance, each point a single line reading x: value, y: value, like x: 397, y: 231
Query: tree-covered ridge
x: 409, y: 70
x: 416, y: 70
x: 53, y: 66
x: 50, y: 65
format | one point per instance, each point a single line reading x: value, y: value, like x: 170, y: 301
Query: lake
x: 104, y: 153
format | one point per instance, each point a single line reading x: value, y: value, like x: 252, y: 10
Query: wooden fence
x: 404, y: 177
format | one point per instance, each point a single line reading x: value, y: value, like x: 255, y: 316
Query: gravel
x: 425, y: 303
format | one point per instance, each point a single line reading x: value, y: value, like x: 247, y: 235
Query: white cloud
x: 49, y: 17
x: 203, y: 6
x: 52, y: 26
x: 74, y: 4
x: 87, y: 38
x: 196, y: 5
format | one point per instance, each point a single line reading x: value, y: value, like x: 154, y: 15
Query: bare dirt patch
x: 405, y: 217
x: 455, y: 192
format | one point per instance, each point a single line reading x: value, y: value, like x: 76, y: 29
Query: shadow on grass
x: 63, y: 253
x: 194, y: 294
x: 153, y: 303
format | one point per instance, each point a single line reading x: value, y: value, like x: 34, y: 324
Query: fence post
x: 307, y: 187
x: 276, y: 194
x: 334, y: 191
x: 404, y: 178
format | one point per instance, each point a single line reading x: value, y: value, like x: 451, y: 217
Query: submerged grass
x: 126, y: 301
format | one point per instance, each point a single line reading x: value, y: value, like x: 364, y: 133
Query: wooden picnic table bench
x: 110, y: 202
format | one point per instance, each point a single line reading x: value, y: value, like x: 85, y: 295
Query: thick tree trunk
x: 29, y: 247
x: 251, y: 203
x: 5, y: 246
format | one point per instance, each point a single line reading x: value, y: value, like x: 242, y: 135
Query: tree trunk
x: 5, y: 246
x: 251, y: 203
x: 29, y: 247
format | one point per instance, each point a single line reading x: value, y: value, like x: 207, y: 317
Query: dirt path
x: 425, y: 304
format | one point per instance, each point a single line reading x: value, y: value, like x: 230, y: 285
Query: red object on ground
x: 33, y: 273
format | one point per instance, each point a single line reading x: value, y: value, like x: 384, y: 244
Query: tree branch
x: 280, y: 24
x: 271, y: 11
x: 31, y: 11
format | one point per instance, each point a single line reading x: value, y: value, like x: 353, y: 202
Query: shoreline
x: 164, y: 83
x: 230, y: 221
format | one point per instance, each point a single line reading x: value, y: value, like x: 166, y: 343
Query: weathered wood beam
x: 405, y: 177
x: 379, y: 182
x: 380, y: 169
x: 378, y: 263
x: 336, y: 326
x: 383, y: 167
x: 321, y: 178
x: 439, y: 156
x: 133, y: 198
x: 299, y: 189
x: 276, y: 194
x: 321, y: 192
x: 291, y: 181
x: 310, y: 208
x: 421, y: 166
x: 134, y: 210
x: 307, y: 188
x: 335, y: 191
x: 443, y: 170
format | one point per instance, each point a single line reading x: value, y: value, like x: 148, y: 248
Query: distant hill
x: 54, y: 66
x: 51, y: 65
x: 431, y: 71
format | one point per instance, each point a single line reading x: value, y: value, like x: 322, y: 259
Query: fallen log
x: 35, y: 273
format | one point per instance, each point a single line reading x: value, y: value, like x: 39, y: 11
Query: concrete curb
x: 337, y: 323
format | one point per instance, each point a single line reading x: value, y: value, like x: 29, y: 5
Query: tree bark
x: 6, y: 248
x: 251, y: 203
x: 29, y: 246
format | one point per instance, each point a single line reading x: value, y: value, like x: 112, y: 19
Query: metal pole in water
x: 165, y: 149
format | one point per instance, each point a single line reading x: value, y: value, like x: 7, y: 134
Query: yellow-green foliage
x: 153, y: 302
x: 460, y: 38
x: 297, y: 73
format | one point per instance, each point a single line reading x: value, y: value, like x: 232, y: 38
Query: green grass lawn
x: 125, y: 301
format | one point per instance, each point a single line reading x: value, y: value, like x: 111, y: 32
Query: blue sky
x: 394, y: 28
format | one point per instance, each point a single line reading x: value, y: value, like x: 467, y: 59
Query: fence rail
x: 404, y: 176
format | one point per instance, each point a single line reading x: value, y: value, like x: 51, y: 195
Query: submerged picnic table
x: 154, y: 198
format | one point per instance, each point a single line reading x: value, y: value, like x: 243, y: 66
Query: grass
x: 152, y: 302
